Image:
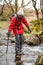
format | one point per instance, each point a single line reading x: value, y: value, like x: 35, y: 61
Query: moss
x: 3, y: 24
x: 39, y: 61
x: 25, y: 30
x: 36, y: 28
x: 1, y: 44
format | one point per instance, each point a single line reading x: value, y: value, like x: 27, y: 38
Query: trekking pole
x: 7, y: 45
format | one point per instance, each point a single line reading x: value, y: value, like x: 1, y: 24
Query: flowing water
x: 29, y: 57
x: 30, y: 54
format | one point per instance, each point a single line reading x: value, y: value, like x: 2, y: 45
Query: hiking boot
x: 17, y: 57
x: 19, y: 63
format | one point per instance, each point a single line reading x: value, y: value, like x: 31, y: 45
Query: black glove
x: 29, y: 29
x: 8, y: 34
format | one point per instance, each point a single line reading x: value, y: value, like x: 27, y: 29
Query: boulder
x: 34, y: 39
x: 39, y: 60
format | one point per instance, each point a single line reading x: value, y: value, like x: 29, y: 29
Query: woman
x: 18, y: 29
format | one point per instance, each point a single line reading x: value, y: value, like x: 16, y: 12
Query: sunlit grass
x: 35, y: 28
x: 3, y: 24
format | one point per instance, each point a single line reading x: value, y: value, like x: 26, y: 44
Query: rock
x: 1, y: 54
x: 39, y: 61
x: 12, y: 40
x: 33, y: 40
x: 41, y: 39
x: 19, y: 63
x: 1, y: 43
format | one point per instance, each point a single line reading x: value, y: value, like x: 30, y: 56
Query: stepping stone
x: 39, y: 61
x: 34, y: 39
x: 19, y: 63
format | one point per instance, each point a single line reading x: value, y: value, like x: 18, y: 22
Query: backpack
x: 13, y: 16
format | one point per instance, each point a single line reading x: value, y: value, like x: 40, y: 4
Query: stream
x: 29, y: 57
x: 30, y: 54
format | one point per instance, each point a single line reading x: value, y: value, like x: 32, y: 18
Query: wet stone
x: 1, y: 54
x: 39, y: 60
x: 33, y: 40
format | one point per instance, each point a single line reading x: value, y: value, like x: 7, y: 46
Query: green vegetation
x: 3, y: 24
x: 35, y: 27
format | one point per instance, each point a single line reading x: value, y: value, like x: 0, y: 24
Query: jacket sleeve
x: 25, y: 22
x: 12, y: 23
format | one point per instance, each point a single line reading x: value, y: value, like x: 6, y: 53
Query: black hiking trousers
x: 19, y: 40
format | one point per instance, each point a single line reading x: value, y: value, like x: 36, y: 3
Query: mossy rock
x: 34, y: 39
x: 1, y: 44
x: 39, y: 61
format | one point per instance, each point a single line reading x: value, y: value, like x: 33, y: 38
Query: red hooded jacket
x: 16, y: 25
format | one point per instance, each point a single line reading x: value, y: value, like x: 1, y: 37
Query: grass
x: 35, y: 28
x: 3, y: 24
